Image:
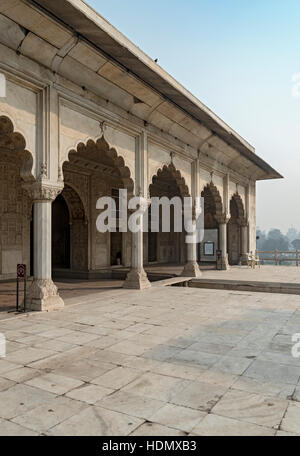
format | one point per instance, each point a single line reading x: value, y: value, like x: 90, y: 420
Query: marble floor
x: 265, y: 273
x: 70, y: 288
x: 167, y: 361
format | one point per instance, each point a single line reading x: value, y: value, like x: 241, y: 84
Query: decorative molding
x: 43, y: 191
x: 43, y: 170
x: 176, y: 174
x: 223, y: 218
x: 121, y: 122
x: 100, y: 145
x: 13, y: 146
x: 242, y: 218
x: 220, y: 215
x: 97, y: 112
x: 22, y: 79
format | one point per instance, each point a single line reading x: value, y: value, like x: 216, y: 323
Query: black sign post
x: 21, y: 274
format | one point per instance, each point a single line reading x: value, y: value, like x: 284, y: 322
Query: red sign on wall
x: 21, y: 271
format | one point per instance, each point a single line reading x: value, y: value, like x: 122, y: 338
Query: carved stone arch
x: 99, y: 149
x: 16, y: 165
x: 216, y: 200
x: 74, y: 203
x: 13, y: 148
x: 70, y: 238
x: 176, y: 175
x: 241, y: 219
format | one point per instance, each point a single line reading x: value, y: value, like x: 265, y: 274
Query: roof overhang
x: 84, y: 21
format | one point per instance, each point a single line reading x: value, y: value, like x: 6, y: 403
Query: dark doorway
x: 233, y: 235
x: 207, y: 250
x: 152, y: 247
x: 152, y: 240
x: 60, y: 234
x: 116, y: 248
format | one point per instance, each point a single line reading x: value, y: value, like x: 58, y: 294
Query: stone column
x: 244, y: 242
x: 222, y: 262
x: 191, y: 269
x: 137, y: 278
x: 43, y: 294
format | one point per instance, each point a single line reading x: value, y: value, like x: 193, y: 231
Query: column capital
x: 243, y: 222
x: 223, y: 218
x: 43, y: 191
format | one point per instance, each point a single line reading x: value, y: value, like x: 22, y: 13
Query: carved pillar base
x: 191, y: 269
x: 223, y: 264
x: 137, y: 280
x: 244, y: 259
x: 43, y: 296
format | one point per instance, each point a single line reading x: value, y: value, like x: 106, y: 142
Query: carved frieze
x: 43, y: 190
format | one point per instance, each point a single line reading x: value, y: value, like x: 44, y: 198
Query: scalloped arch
x: 176, y: 174
x: 75, y: 193
x: 240, y: 206
x: 14, y: 142
x: 216, y: 198
x: 103, y: 146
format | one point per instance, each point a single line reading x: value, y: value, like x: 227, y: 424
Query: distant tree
x: 292, y: 234
x: 296, y: 244
x: 276, y: 241
x: 260, y: 239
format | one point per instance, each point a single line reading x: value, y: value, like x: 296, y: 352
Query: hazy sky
x: 238, y: 57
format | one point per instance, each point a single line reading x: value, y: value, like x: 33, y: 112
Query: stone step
x: 243, y: 285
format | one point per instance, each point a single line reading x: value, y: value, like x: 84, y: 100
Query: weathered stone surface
x: 155, y: 386
x: 21, y: 398
x: 131, y: 404
x: 171, y: 393
x: 117, y: 378
x: 56, y: 384
x: 176, y: 417
x: 96, y: 421
x: 47, y: 415
x: 253, y: 408
x: 89, y: 393
x: 269, y: 371
x: 9, y: 429
x: 198, y: 395
x: 214, y: 425
x: 291, y: 420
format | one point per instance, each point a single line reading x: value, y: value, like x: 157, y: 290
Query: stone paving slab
x: 251, y: 407
x: 215, y: 425
x: 95, y: 421
x: 168, y: 361
x: 265, y: 279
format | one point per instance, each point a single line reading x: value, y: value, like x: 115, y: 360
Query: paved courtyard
x: 68, y: 289
x: 266, y: 273
x: 166, y: 361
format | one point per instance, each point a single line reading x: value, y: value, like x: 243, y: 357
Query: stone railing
x: 279, y: 257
